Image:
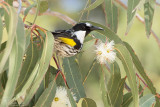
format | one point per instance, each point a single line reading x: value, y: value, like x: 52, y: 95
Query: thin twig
x: 141, y: 20
x: 61, y: 16
x: 59, y: 71
x: 141, y: 80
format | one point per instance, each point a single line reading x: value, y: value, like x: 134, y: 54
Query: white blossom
x: 105, y: 52
x: 61, y: 98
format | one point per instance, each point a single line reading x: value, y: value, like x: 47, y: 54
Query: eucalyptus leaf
x: 43, y: 66
x: 73, y: 77
x: 71, y: 99
x: 15, y: 62
x: 32, y: 56
x: 86, y: 102
x: 115, y: 86
x: 94, y: 5
x: 147, y: 100
x: 1, y: 31
x: 127, y: 99
x: 11, y: 35
x: 141, y: 70
x: 131, y: 12
x: 47, y: 96
x: 43, y: 6
x: 124, y: 56
x: 103, y: 88
x: 148, y: 15
x: 111, y: 15
x: 29, y: 8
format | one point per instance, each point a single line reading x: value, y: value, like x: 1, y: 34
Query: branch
x: 61, y: 16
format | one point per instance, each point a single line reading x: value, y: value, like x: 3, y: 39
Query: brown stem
x: 59, y: 71
x: 141, y: 80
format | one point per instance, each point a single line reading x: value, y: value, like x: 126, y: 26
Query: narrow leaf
x: 124, y: 56
x: 15, y: 62
x: 43, y: 66
x: 43, y: 6
x: 148, y: 15
x: 47, y: 96
x: 141, y: 70
x: 131, y: 11
x: 127, y: 99
x: 29, y: 8
x: 115, y: 86
x: 32, y: 56
x: 111, y: 15
x: 11, y: 35
x: 94, y: 5
x: 86, y: 102
x: 147, y: 100
x: 103, y: 87
x: 71, y: 99
x: 73, y: 77
x: 1, y: 30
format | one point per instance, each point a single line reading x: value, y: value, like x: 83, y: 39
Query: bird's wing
x: 62, y: 33
x: 65, y: 37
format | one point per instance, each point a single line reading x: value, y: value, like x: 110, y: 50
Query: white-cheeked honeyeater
x: 69, y: 42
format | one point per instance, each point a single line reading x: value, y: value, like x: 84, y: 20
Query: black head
x: 85, y: 27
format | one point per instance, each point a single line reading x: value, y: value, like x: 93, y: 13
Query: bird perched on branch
x: 69, y: 42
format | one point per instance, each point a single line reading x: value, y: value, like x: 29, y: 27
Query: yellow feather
x: 68, y: 41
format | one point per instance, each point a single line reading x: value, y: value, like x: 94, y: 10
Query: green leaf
x: 86, y: 102
x: 131, y: 11
x: 11, y: 35
x: 148, y: 15
x: 32, y: 56
x: 43, y: 66
x: 1, y: 12
x: 87, y: 45
x: 73, y: 77
x: 10, y: 2
x: 29, y: 8
x: 3, y: 46
x: 111, y: 15
x: 115, y: 86
x: 47, y: 96
x: 147, y: 100
x: 127, y: 99
x: 1, y: 31
x: 141, y: 70
x: 4, y: 79
x: 94, y: 5
x: 15, y: 62
x: 124, y: 56
x: 71, y: 99
x: 43, y: 6
x: 1, y: 90
x: 28, y: 38
x: 103, y: 88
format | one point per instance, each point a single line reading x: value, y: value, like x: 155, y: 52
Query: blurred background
x: 146, y: 48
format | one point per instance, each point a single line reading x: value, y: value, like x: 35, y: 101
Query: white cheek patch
x: 80, y: 35
x: 88, y: 24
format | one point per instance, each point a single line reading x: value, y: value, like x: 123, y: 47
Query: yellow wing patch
x: 68, y: 41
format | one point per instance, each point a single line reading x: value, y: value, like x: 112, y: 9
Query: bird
x: 69, y: 42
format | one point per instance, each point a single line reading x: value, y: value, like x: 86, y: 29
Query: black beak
x: 96, y: 28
